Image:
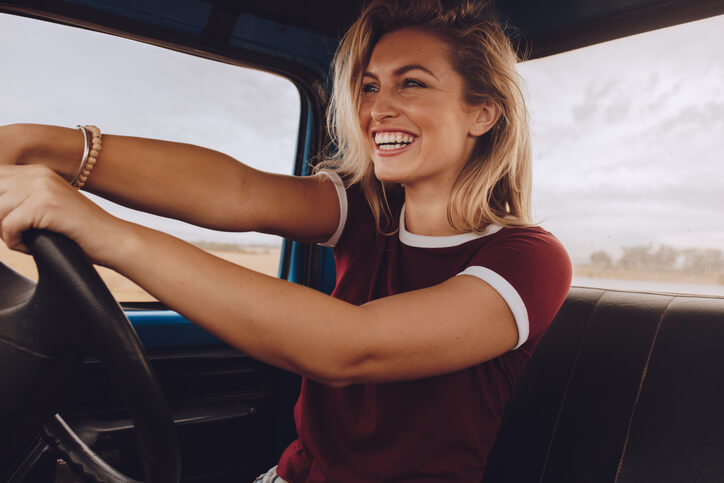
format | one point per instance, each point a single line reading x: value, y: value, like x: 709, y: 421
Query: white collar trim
x: 428, y: 241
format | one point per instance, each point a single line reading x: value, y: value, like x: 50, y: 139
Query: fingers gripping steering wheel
x: 44, y: 330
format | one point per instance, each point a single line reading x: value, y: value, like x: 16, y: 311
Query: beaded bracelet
x: 91, y: 150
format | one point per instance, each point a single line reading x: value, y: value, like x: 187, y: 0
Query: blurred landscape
x: 641, y: 267
x: 658, y: 269
x: 665, y: 263
x: 262, y: 258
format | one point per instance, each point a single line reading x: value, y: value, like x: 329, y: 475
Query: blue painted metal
x: 308, y: 148
x: 296, y: 263
x: 165, y: 328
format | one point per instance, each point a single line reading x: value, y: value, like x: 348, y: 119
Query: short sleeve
x: 531, y: 270
x: 510, y: 295
x: 343, y: 207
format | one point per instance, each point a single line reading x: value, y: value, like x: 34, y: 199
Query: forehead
x: 409, y: 47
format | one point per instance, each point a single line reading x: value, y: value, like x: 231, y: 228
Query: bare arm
x: 436, y: 330
x: 183, y: 181
x: 441, y: 329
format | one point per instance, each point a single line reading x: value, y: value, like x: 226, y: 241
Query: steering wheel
x: 45, y: 328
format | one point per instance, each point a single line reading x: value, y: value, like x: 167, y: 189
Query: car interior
x: 626, y: 386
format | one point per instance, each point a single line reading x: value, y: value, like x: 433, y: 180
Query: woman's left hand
x: 36, y: 197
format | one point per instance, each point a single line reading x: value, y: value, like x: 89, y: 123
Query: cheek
x: 431, y: 116
x: 364, y: 115
x: 363, y: 118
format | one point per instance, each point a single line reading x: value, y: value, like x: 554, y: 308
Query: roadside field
x: 264, y: 259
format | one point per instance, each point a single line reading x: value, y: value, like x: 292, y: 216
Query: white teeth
x: 390, y: 147
x: 393, y: 140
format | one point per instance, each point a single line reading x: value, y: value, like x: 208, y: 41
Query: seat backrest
x: 624, y: 387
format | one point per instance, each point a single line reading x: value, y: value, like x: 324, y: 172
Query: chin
x: 387, y: 175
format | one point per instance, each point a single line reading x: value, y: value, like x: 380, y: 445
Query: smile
x: 390, y: 141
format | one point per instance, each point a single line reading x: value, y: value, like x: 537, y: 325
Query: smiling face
x: 417, y: 125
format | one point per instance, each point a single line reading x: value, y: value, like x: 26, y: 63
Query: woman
x: 444, y: 287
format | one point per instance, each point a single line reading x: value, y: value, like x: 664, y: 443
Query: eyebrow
x: 403, y: 70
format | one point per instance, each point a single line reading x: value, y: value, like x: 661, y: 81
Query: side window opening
x: 627, y: 158
x: 54, y: 74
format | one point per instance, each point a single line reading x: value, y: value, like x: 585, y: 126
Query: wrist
x: 119, y: 242
x: 58, y: 148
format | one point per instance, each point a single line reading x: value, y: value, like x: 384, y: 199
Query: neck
x: 426, y: 212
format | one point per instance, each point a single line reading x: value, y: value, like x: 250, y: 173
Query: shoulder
x: 532, y: 241
x: 528, y: 252
x: 531, y: 233
x: 530, y: 263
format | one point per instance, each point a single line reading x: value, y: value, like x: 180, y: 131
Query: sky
x: 628, y: 140
x: 628, y: 136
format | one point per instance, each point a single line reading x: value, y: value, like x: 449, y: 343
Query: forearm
x: 457, y: 324
x: 283, y: 324
x: 177, y: 180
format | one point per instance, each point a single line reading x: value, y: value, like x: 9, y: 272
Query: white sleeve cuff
x: 509, y: 294
x: 342, y: 197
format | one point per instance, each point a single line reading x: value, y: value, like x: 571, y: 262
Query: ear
x: 484, y: 118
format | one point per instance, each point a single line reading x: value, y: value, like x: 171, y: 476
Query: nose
x: 384, y: 106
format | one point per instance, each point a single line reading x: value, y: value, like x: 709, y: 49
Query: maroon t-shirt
x: 438, y: 428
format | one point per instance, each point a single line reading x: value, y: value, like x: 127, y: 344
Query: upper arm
x: 300, y: 208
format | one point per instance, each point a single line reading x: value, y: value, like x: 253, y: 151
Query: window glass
x: 628, y: 158
x: 53, y: 74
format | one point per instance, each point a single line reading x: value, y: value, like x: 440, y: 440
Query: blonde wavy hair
x: 494, y: 185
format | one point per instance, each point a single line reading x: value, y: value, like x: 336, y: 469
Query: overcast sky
x: 628, y: 135
x: 629, y: 140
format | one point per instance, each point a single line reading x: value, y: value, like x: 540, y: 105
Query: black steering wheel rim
x: 66, y: 279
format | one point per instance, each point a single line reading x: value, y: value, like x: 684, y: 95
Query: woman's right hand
x: 36, y: 197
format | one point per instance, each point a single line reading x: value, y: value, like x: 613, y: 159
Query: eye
x: 412, y: 83
x: 367, y: 88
